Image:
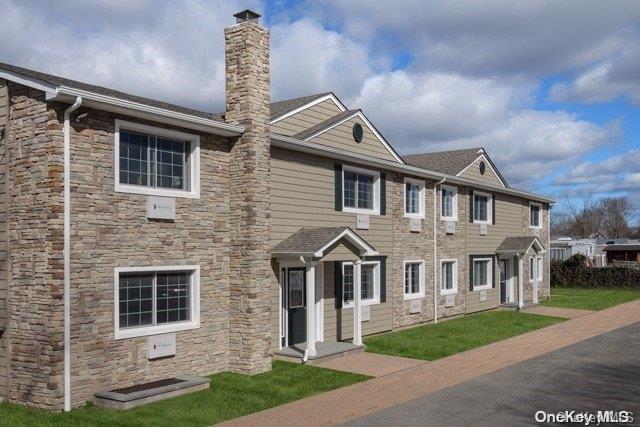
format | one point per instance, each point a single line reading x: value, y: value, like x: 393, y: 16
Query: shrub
x: 574, y: 273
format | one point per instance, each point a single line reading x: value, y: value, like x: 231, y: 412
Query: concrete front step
x: 324, y: 351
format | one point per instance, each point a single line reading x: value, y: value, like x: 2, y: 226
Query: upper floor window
x: 413, y: 198
x: 369, y: 283
x: 156, y: 161
x: 361, y: 190
x: 482, y: 207
x: 449, y: 203
x: 152, y: 300
x: 413, y: 279
x: 534, y: 215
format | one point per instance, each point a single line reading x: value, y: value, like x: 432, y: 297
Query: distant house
x: 623, y: 254
x: 564, y: 248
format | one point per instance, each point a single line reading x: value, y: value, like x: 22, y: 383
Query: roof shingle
x: 516, y: 244
x: 449, y: 162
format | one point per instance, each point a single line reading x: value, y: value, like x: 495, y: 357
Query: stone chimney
x: 251, y: 275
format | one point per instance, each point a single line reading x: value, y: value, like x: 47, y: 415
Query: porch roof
x: 314, y: 241
x: 520, y: 245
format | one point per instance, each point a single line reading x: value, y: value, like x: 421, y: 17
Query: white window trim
x: 540, y: 262
x: 489, y: 197
x: 421, y: 272
x: 454, y: 217
x: 194, y: 162
x: 532, y: 267
x: 454, y: 290
x: 376, y: 191
x: 539, y: 205
x: 421, y: 201
x: 489, y: 284
x: 376, y: 285
x: 142, y: 331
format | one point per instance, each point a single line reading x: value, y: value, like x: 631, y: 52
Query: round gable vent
x: 357, y: 132
x: 482, y: 168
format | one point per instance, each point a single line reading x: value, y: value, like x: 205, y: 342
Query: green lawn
x: 590, y: 299
x: 432, y: 342
x: 230, y: 396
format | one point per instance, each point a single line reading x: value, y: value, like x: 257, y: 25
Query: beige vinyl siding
x: 302, y: 195
x: 473, y: 172
x: 4, y: 96
x: 306, y: 118
x: 341, y: 137
x: 508, y: 213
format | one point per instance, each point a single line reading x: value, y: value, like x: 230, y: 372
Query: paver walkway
x: 565, y: 313
x: 375, y: 365
x: 346, y: 403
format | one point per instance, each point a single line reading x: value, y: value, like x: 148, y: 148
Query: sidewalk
x: 565, y: 313
x: 340, y: 405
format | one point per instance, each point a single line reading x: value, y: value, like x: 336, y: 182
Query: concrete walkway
x: 565, y: 313
x: 375, y: 365
x: 354, y: 401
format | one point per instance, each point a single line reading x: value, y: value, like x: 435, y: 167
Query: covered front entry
x: 512, y: 253
x: 301, y: 259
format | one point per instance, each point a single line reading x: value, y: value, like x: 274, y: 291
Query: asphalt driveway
x: 601, y: 373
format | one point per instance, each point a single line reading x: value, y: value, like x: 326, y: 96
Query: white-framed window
x: 155, y: 161
x: 482, y: 273
x: 413, y: 279
x: 360, y: 190
x: 448, y: 203
x: 535, y: 215
x: 370, y: 283
x: 540, y: 268
x: 482, y: 208
x: 448, y: 276
x: 156, y: 300
x: 413, y: 198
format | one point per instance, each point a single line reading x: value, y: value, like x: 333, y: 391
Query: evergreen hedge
x: 574, y: 273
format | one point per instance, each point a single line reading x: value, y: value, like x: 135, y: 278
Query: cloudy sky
x: 550, y: 88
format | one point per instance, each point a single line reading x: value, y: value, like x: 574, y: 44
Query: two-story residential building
x: 270, y: 230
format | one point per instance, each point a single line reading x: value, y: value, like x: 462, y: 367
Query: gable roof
x: 520, y: 245
x: 62, y: 81
x: 280, y: 108
x: 313, y: 241
x: 325, y: 125
x: 452, y: 162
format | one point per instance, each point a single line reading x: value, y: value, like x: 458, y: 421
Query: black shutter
x: 338, y: 186
x: 493, y: 209
x: 383, y: 280
x: 383, y: 194
x: 471, y: 206
x: 337, y: 275
x: 471, y: 273
x: 495, y: 266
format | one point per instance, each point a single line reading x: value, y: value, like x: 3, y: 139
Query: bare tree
x: 587, y: 217
x: 617, y: 211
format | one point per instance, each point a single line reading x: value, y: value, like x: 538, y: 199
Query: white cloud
x: 617, y: 77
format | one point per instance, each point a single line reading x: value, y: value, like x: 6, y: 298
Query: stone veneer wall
x: 251, y: 279
x: 35, y: 268
x: 543, y: 235
x: 410, y: 246
x: 110, y: 229
x: 4, y: 340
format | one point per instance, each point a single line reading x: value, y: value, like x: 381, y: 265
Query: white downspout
x: 67, y: 253
x: 435, y: 258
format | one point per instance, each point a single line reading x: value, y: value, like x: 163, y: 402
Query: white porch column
x: 520, y: 281
x: 311, y: 308
x: 357, y: 303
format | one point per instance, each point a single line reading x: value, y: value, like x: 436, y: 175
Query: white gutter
x: 67, y: 254
x: 435, y: 248
x: 334, y: 153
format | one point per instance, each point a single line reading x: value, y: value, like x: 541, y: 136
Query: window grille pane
x: 480, y: 208
x: 172, y: 295
x: 350, y: 180
x: 412, y: 278
x: 535, y: 216
x: 480, y: 273
x: 365, y: 191
x: 347, y: 283
x: 447, y: 203
x: 135, y: 300
x: 447, y: 275
x: 367, y: 291
x: 133, y: 158
x: 413, y: 198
